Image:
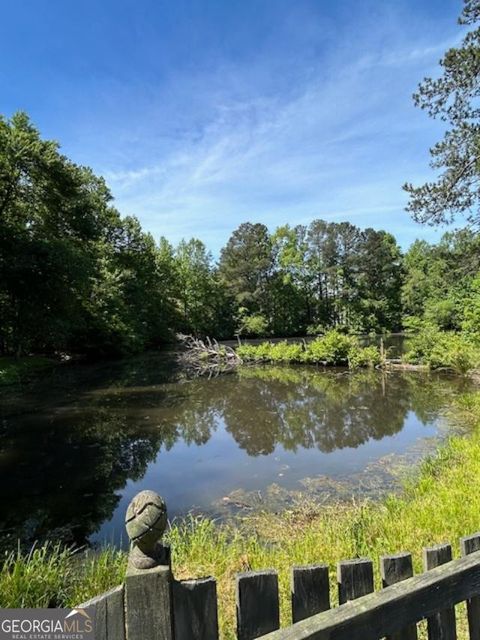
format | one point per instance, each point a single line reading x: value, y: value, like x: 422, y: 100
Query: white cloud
x: 339, y: 145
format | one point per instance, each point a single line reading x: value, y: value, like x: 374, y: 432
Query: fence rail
x: 152, y: 605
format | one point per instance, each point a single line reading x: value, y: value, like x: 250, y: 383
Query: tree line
x: 76, y: 276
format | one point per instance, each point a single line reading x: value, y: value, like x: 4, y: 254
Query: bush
x: 364, y: 357
x: 285, y: 352
x: 334, y: 348
x: 443, y: 349
x: 269, y: 352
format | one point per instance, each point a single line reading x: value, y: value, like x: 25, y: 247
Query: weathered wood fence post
x: 158, y: 607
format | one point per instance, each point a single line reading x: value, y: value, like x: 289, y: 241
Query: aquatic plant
x: 459, y: 352
x: 332, y: 349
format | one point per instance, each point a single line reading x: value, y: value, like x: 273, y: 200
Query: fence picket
x: 148, y: 604
x: 195, y: 609
x: 310, y: 591
x: 152, y: 605
x: 258, y: 610
x: 395, y: 569
x: 442, y: 625
x: 109, y: 619
x: 355, y: 579
x: 468, y: 545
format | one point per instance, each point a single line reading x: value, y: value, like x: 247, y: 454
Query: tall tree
x: 197, y: 286
x: 380, y: 281
x: 454, y: 99
x: 245, y: 268
x: 292, y: 285
x: 52, y: 214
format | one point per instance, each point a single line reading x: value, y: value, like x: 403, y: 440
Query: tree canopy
x: 453, y: 99
x: 77, y: 277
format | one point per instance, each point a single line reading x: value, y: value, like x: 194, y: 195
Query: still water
x: 76, y: 447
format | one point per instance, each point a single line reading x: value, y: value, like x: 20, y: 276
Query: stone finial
x: 146, y: 521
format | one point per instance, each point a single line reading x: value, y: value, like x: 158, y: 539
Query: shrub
x: 269, y: 352
x: 438, y: 349
x: 255, y: 353
x: 334, y: 348
x: 285, y: 352
x: 364, y: 357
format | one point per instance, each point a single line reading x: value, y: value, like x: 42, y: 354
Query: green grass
x: 17, y: 370
x: 55, y: 576
x: 441, y: 503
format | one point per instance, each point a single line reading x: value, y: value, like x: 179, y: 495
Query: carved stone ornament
x: 146, y: 521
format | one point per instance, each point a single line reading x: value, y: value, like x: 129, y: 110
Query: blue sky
x: 203, y: 115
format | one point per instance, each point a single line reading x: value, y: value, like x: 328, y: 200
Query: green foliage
x: 443, y: 313
x: 251, y: 325
x: 471, y: 311
x: 271, y: 352
x: 14, y: 370
x: 453, y: 99
x: 333, y: 349
x: 440, y: 349
x: 75, y: 276
x: 364, y: 357
x: 324, y: 275
x: 200, y: 298
x: 412, y: 324
x: 246, y: 264
x: 440, y: 285
x: 315, y: 330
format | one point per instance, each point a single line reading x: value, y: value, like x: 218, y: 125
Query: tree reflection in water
x: 65, y: 454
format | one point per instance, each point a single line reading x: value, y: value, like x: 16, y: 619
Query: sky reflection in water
x: 76, y: 449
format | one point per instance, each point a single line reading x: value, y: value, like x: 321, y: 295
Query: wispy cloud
x: 337, y: 144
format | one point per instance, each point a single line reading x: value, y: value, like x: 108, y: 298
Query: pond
x: 76, y: 447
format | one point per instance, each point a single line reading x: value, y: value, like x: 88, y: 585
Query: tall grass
x: 441, y: 503
x: 54, y: 575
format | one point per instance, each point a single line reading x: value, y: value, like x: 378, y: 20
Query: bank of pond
x: 429, y: 347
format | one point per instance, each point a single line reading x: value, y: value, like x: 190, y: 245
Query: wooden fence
x: 152, y: 605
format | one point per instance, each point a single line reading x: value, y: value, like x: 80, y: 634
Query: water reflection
x: 68, y: 449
